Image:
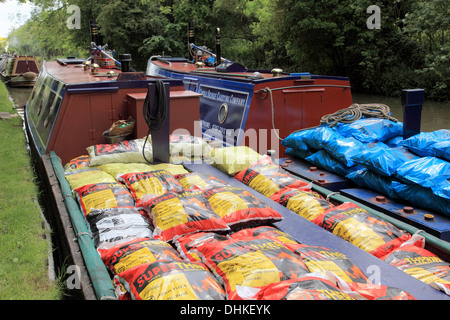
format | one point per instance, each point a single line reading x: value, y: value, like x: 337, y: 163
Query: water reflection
x: 435, y: 115
x: 19, y: 96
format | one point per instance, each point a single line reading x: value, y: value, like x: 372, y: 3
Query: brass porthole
x: 223, y: 113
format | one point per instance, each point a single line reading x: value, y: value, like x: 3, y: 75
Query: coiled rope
x: 348, y: 115
x: 355, y: 112
x: 154, y: 122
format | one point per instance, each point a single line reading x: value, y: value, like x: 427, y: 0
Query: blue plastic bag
x: 421, y: 197
x: 369, y: 130
x: 394, y: 142
x: 372, y: 181
x: 302, y: 154
x: 428, y: 172
x: 382, y: 159
x: 295, y: 141
x: 322, y: 159
x: 432, y: 144
x: 344, y: 149
x: 442, y: 149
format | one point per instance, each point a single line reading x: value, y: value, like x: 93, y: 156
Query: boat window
x: 53, y: 111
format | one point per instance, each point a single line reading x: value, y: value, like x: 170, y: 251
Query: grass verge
x: 23, y: 244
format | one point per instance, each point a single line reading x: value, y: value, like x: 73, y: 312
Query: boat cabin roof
x: 74, y: 73
x: 231, y: 69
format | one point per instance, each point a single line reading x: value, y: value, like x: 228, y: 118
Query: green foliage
x: 412, y: 48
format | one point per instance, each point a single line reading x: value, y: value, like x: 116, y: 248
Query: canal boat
x: 71, y: 108
x: 19, y: 71
x: 236, y: 100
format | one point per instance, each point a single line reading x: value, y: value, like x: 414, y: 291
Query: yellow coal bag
x: 232, y: 160
x: 120, y: 152
x: 169, y: 280
x: 116, y: 169
x: 151, y: 184
x: 319, y: 259
x: 357, y: 226
x: 129, y: 254
x: 103, y: 196
x: 264, y: 231
x: 196, y: 180
x: 421, y: 264
x: 251, y: 263
x: 84, y: 176
x: 239, y: 208
x: 178, y: 213
x: 307, y: 204
x: 267, y: 178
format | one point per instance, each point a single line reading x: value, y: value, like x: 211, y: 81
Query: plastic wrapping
x: 373, y: 181
x: 178, y: 213
x: 308, y: 287
x: 428, y: 172
x: 152, y: 184
x: 357, y: 226
x: 187, y: 244
x: 232, y: 160
x: 307, y: 204
x: 120, y: 152
x: 84, y: 176
x: 344, y: 149
x: 253, y: 263
x: 268, y: 178
x: 382, y: 159
x: 430, y: 144
x: 103, y: 196
x: 422, y: 265
x: 110, y: 225
x: 195, y: 180
x: 369, y: 130
x: 322, y: 159
x: 77, y: 163
x: 239, y: 209
x: 129, y: 254
x: 421, y: 197
x: 264, y: 231
x: 319, y: 259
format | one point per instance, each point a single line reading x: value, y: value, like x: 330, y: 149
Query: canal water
x: 435, y: 115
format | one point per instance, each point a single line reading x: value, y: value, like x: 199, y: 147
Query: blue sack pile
x: 372, y: 153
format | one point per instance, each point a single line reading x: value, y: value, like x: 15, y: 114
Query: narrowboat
x: 71, y: 108
x: 19, y: 71
x: 237, y: 101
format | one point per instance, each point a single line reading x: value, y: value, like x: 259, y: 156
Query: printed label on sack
x: 169, y: 214
x: 252, y: 269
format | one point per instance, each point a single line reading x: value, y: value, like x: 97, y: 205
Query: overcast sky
x: 13, y: 14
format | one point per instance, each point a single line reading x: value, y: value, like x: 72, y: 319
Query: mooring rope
x: 355, y: 112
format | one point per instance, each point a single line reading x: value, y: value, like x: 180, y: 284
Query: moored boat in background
x: 19, y: 71
x: 236, y: 101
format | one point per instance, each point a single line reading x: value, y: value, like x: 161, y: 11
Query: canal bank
x: 25, y: 263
